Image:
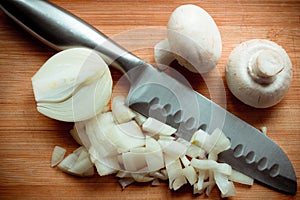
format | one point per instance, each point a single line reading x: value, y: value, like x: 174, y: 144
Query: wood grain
x: 27, y: 138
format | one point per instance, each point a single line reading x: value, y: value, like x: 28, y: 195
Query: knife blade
x: 155, y: 94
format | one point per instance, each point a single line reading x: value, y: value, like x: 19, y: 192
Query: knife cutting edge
x: 155, y: 94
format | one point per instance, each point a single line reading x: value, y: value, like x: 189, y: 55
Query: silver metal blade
x: 158, y: 95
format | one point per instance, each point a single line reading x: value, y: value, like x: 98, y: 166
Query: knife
x: 154, y: 93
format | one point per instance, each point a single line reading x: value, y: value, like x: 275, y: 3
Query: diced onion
x: 140, y: 149
x: 190, y: 173
x: 154, y: 127
x: 238, y: 177
x: 121, y: 112
x: 57, y: 155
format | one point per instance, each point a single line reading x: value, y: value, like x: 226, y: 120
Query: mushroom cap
x: 259, y: 73
x: 194, y: 38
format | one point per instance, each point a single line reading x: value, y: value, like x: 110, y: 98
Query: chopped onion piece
x: 155, y: 182
x: 264, y: 130
x: 211, y: 165
x: 75, y: 136
x: 203, y: 164
x: 57, y: 155
x: 222, y: 182
x: 194, y: 151
x: 226, y: 187
x: 196, y: 190
x: 154, y: 126
x: 125, y: 182
x: 154, y: 156
x: 159, y: 175
x: 141, y: 177
x: 134, y: 161
x: 81, y: 166
x: 216, y: 142
x: 68, y: 162
x: 185, y: 161
x: 230, y: 192
x: 178, y: 182
x: 77, y: 163
x: 166, y: 137
x: 199, y: 138
x: 201, y: 190
x: 174, y: 170
x: 123, y: 174
x: 223, y: 168
x: 238, y: 177
x: 121, y: 112
x: 201, y: 178
x: 100, y: 146
x: 80, y: 150
x: 175, y: 149
x: 139, y: 118
x: 89, y: 172
x: 212, y: 156
x: 126, y: 136
x: 104, y: 165
x: 138, y: 150
x: 104, y: 169
x: 211, y: 183
x: 82, y: 134
x: 190, y: 173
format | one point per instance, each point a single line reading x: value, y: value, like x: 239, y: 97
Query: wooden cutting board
x: 27, y: 138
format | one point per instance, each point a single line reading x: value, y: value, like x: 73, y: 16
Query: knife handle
x: 62, y: 30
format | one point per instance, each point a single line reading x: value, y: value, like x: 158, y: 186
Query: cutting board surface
x: 27, y: 138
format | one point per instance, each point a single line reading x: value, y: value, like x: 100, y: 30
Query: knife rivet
x: 274, y: 170
x: 262, y: 164
x: 238, y: 151
x: 250, y: 157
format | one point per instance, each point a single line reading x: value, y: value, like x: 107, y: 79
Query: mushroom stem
x: 264, y: 66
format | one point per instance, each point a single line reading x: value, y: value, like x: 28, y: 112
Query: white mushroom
x: 194, y: 39
x: 259, y: 73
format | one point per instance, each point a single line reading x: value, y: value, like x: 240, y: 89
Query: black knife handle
x: 62, y: 30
